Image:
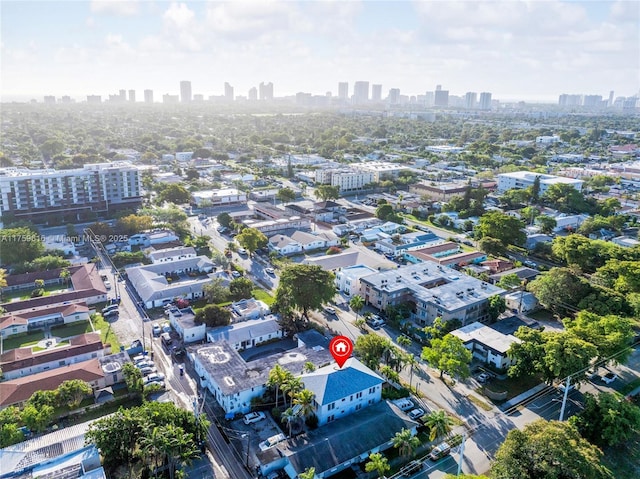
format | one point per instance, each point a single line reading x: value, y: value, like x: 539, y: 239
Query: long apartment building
x: 436, y: 291
x: 95, y: 188
x: 524, y: 179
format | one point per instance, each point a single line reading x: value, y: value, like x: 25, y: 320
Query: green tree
x: 439, y: 424
x: 288, y: 418
x: 44, y: 398
x: 72, y: 392
x: 405, y: 442
x: 384, y: 211
x: 378, y: 463
x: 305, y: 399
x: 371, y: 348
x: 65, y: 275
x: 132, y: 378
x: 535, y: 190
x: 496, y: 305
x: 607, y: 420
x: 308, y: 473
x: 286, y: 195
x: 327, y: 192
x: 277, y: 377
x: 492, y: 246
x: 37, y: 419
x: 215, y: 291
x: 102, y: 230
x: 252, y: 239
x: 548, y: 450
x: 224, y: 219
x: 507, y: 229
x: 240, y: 288
x: 174, y: 193
x: 47, y: 263
x: 133, y: 224
x: 547, y: 223
x: 292, y: 386
x: 19, y: 245
x: 356, y: 303
x: 213, y: 315
x: 448, y: 355
x: 509, y: 281
x: 610, y: 334
x: 305, y: 287
x: 559, y: 289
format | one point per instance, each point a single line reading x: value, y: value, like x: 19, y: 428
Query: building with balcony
x: 524, y: 179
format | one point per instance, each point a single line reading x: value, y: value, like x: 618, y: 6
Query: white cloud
x: 115, y: 7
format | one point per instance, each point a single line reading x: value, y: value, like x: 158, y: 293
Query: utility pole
x: 564, y: 398
x: 464, y: 439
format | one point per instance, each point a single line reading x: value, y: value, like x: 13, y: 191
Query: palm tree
x: 356, y: 303
x: 291, y: 387
x: 439, y: 424
x: 65, y: 275
x: 277, y: 377
x: 152, y: 444
x: 289, y: 417
x: 390, y: 374
x: 411, y: 361
x: 309, y: 367
x: 377, y: 462
x: 308, y: 473
x: 359, y: 323
x: 305, y: 400
x: 405, y: 442
x: 178, y: 447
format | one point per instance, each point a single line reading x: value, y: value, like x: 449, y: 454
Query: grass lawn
x: 22, y: 340
x: 62, y: 343
x: 514, y: 386
x: 262, y: 295
x: 479, y: 402
x: 106, y: 332
x: 73, y: 329
x: 543, y: 315
x: 26, y: 293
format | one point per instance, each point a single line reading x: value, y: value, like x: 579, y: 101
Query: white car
x: 144, y: 364
x: 272, y: 441
x: 154, y: 378
x: 483, y: 378
x: 270, y: 271
x: 609, y: 378
x: 147, y: 370
x: 253, y: 417
x: 242, y: 251
x: 329, y: 310
x: 416, y: 413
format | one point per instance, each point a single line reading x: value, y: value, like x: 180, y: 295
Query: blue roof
x: 330, y: 383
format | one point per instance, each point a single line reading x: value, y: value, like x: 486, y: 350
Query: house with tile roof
x: 24, y: 320
x: 340, y: 391
x: 22, y: 362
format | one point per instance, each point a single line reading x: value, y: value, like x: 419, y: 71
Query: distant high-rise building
x: 470, y: 100
x: 185, y: 91
x: 343, y: 90
x: 429, y: 98
x: 132, y: 96
x: 438, y: 87
x: 361, y: 92
x: 148, y: 96
x: 376, y: 93
x: 570, y: 100
x: 266, y: 91
x: 441, y: 97
x: 253, y: 94
x: 485, y: 101
x: 66, y: 99
x: 394, y: 96
x: 228, y: 92
x: 94, y: 99
x: 50, y: 100
x: 592, y: 101
x: 170, y: 99
x: 610, y: 98
x: 123, y: 95
x: 199, y: 97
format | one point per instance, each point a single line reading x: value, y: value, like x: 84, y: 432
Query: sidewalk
x: 523, y: 397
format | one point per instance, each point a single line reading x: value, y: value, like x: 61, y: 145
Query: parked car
x: 144, y: 364
x: 271, y: 441
x: 441, y: 450
x: 269, y: 271
x: 329, y: 310
x: 416, y: 413
x: 166, y: 327
x: 111, y: 307
x: 609, y: 378
x: 242, y: 251
x: 483, y: 378
x: 107, y: 284
x: 152, y: 378
x: 139, y: 358
x: 156, y: 330
x: 147, y: 370
x: 253, y: 417
x: 111, y: 314
x: 405, y: 404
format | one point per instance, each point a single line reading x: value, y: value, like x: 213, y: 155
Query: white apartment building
x: 38, y: 194
x: 223, y: 196
x: 382, y: 170
x: 524, y: 179
x: 346, y: 179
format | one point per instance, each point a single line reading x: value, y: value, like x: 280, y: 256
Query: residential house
x: 521, y: 301
x: 523, y: 273
x: 497, y: 265
x: 534, y: 239
x: 220, y: 197
x: 625, y: 242
x: 453, y: 261
x: 247, y: 334
x: 250, y: 308
x: 340, y: 391
x: 153, y: 238
x: 184, y: 322
x: 158, y: 284
x: 282, y: 225
x: 284, y: 245
x: 351, y: 257
x: 172, y: 254
x: 308, y: 241
x: 348, y: 279
x: 397, y: 245
x: 22, y: 362
x: 487, y: 345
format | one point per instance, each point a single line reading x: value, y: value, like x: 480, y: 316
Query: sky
x: 529, y: 50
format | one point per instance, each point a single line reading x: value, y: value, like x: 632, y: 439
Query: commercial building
x: 376, y: 93
x: 441, y: 98
x: 184, y: 322
x: 266, y: 91
x: 219, y: 197
x: 439, y: 192
x: 71, y: 194
x: 524, y: 179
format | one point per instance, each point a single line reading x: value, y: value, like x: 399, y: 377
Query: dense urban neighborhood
x: 172, y: 276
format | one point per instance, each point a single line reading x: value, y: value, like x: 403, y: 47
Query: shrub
x: 334, y: 250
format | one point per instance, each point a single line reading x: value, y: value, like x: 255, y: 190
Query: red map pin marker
x: 341, y: 348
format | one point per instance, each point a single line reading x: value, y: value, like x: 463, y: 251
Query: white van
x: 404, y: 404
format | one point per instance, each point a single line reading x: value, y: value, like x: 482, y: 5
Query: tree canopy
x: 448, y: 354
x: 252, y: 239
x: 19, y: 245
x: 501, y: 226
x: 304, y: 287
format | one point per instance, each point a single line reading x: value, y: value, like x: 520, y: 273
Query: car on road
x: 156, y: 329
x: 530, y: 264
x: 235, y: 274
x: 441, y: 450
x: 411, y: 468
x: 253, y: 417
x: 375, y: 321
x: 329, y: 310
x: 416, y: 413
x: 111, y: 314
x: 271, y: 441
x: 242, y: 251
x: 270, y: 271
x: 107, y: 284
x: 609, y: 378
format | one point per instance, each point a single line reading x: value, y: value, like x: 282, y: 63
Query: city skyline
x: 102, y: 47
